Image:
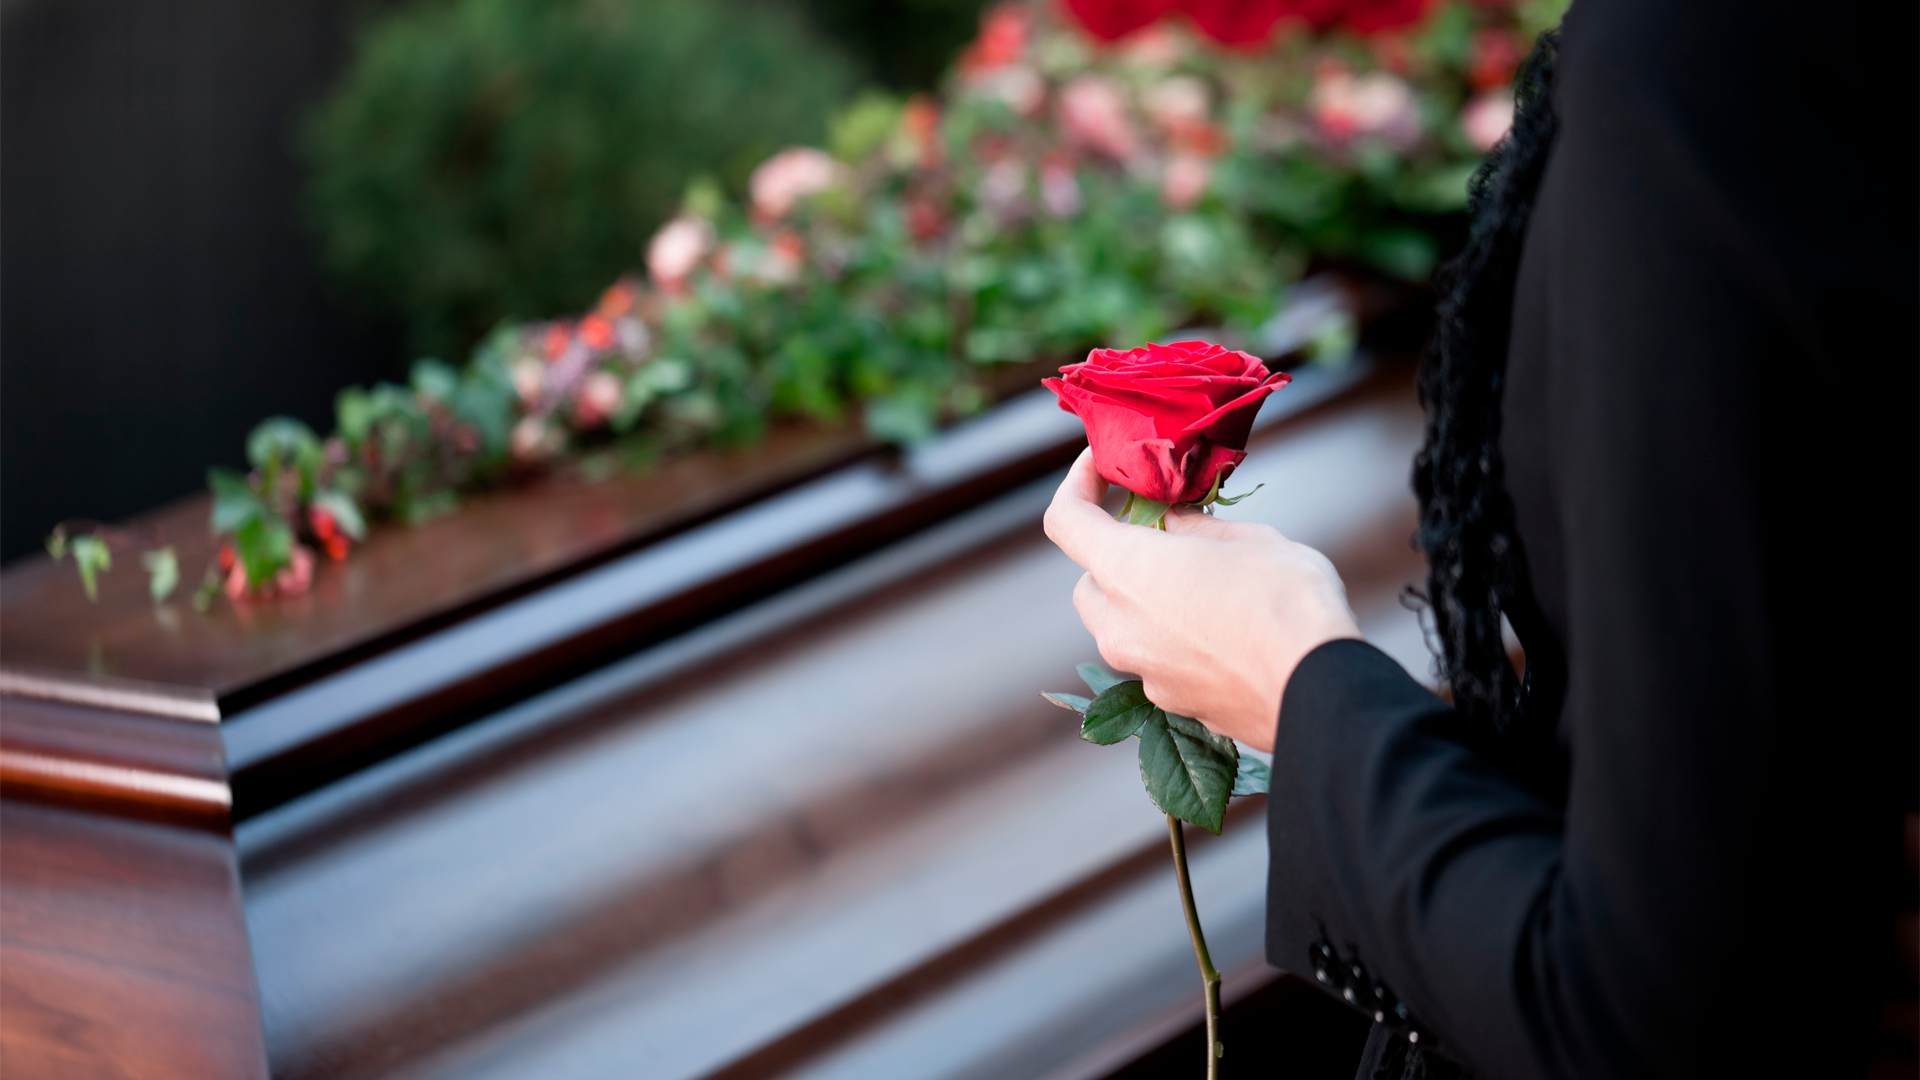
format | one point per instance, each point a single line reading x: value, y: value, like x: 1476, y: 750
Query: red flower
x: 1245, y: 22
x: 1237, y: 22
x: 1111, y: 20
x: 1495, y: 58
x: 1166, y: 421
x: 1369, y: 17
x: 597, y: 333
x: 327, y: 531
x: 1002, y: 40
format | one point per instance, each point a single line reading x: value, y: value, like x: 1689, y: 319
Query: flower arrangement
x: 1084, y: 180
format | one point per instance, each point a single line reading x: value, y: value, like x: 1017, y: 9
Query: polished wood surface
x: 114, y: 761
x: 122, y: 951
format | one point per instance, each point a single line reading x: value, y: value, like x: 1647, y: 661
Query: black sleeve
x: 1721, y: 328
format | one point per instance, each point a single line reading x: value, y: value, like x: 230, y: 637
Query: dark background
x: 159, y: 294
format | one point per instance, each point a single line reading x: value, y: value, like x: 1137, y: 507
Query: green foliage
x: 1116, y: 714
x: 485, y: 159
x: 1097, y: 678
x: 1188, y: 771
x: 92, y: 558
x: 263, y: 544
x: 163, y: 572
x: 1254, y: 778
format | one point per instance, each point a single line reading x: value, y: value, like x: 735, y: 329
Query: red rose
x: 1166, y: 421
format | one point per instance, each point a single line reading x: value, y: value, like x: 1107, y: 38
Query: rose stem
x: 1209, y: 976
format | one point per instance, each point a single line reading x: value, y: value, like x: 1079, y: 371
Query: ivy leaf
x: 1097, y: 678
x: 1253, y: 778
x: 234, y: 501
x: 345, y: 513
x: 265, y: 546
x: 163, y: 572
x: 1117, y: 713
x: 91, y: 558
x: 1188, y: 771
x: 1069, y: 701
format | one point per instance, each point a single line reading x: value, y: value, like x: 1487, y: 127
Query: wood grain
x: 123, y: 953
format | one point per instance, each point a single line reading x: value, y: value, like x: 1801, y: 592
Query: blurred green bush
x: 493, y: 159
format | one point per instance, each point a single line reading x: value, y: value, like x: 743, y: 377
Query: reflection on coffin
x: 763, y: 791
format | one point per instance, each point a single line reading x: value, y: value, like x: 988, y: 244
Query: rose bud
x: 1167, y: 422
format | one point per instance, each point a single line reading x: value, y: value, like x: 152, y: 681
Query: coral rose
x: 1167, y: 421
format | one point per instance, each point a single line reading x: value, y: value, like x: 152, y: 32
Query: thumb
x: 1187, y: 521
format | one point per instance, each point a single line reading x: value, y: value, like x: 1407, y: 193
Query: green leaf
x: 1253, y: 777
x: 163, y: 572
x: 1144, y: 511
x: 265, y: 546
x: 345, y: 512
x: 1097, y: 678
x: 1229, y: 500
x: 435, y: 379
x: 234, y: 501
x: 57, y: 543
x: 1069, y: 701
x: 279, y: 441
x: 1188, y: 771
x: 1117, y: 713
x: 91, y: 558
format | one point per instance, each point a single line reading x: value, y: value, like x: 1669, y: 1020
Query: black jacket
x: 1686, y: 866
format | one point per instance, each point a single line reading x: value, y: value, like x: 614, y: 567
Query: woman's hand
x: 1212, y: 615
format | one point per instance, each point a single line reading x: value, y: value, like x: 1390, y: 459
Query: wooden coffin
x: 737, y: 769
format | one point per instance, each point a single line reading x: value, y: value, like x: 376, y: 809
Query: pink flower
x: 532, y: 440
x: 677, y: 249
x: 1004, y: 187
x: 1376, y: 104
x: 529, y: 380
x: 1486, y: 118
x: 236, y: 583
x: 1185, y: 180
x: 1059, y: 188
x: 297, y: 576
x: 1178, y: 104
x: 1093, y: 110
x: 600, y: 396
x: 789, y: 176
